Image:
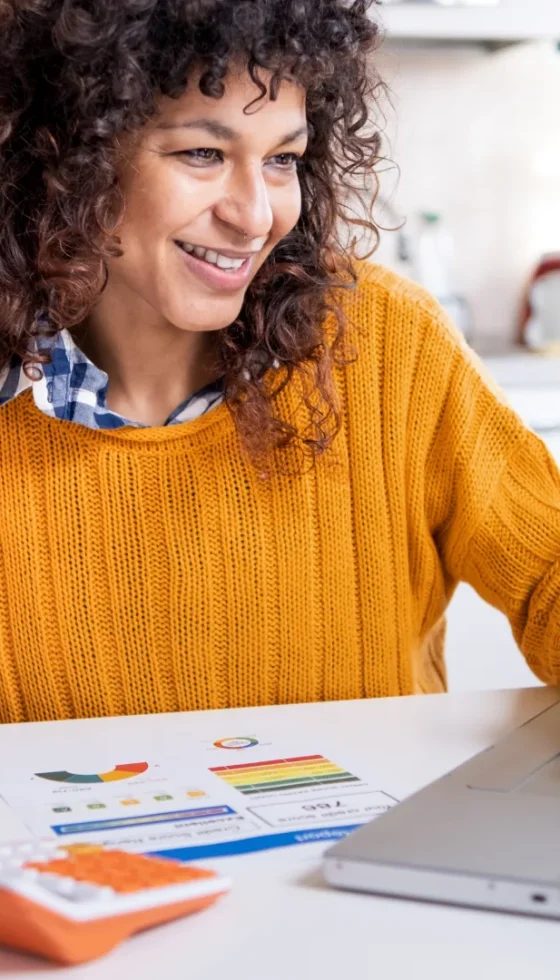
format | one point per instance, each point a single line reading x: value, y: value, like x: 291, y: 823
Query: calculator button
x: 74, y: 891
x: 9, y: 874
x: 12, y: 865
x: 88, y: 893
x: 57, y: 884
x: 104, y: 894
x: 29, y: 874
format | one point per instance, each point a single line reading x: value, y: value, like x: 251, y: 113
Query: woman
x: 237, y: 466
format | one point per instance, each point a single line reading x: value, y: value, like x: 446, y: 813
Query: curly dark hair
x: 74, y: 74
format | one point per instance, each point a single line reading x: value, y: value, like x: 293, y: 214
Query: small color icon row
x: 132, y: 801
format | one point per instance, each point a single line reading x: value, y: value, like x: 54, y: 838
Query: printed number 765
x: 321, y: 806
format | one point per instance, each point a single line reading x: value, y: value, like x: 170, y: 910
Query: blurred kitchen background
x: 473, y: 134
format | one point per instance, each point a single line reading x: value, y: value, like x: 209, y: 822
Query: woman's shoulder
x: 380, y: 294
x: 391, y: 310
x: 393, y: 320
x: 384, y: 308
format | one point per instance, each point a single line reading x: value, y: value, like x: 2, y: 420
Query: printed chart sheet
x: 196, y: 799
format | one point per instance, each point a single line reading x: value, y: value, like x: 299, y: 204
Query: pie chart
x: 124, y: 771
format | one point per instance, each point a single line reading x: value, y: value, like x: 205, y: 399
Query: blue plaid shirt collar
x: 72, y: 388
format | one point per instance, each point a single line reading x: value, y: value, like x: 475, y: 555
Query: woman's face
x: 209, y: 191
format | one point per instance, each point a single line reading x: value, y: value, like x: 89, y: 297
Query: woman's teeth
x: 214, y: 258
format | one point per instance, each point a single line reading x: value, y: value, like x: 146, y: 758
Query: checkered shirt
x: 74, y: 389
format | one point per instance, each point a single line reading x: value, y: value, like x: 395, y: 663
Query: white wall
x: 477, y: 137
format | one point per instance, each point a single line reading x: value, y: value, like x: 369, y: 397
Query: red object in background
x: 548, y: 264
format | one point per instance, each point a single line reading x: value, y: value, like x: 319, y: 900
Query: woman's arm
x: 494, y: 500
x: 513, y: 559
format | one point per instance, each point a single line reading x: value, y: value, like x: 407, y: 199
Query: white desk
x: 281, y: 922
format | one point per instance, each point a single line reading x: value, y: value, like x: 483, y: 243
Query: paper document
x: 198, y: 799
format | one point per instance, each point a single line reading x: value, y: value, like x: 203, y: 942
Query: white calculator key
x: 66, y: 887
x: 29, y: 874
x: 105, y: 894
x: 12, y: 864
x: 13, y: 872
x: 58, y: 884
x: 84, y: 892
x: 44, y: 849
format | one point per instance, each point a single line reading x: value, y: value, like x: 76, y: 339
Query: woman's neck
x: 152, y: 366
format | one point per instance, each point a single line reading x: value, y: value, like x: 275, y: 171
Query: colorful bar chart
x: 276, y: 775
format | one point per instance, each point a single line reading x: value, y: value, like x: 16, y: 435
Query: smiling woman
x: 238, y: 466
x: 206, y: 204
x: 177, y: 168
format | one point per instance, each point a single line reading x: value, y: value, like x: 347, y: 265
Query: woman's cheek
x: 287, y: 209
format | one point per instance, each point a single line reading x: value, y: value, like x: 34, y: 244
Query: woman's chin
x: 214, y: 315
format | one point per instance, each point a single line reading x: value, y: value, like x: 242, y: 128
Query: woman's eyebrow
x: 221, y: 132
x: 295, y: 134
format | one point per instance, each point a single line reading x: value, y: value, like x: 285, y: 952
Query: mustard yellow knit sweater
x: 148, y: 570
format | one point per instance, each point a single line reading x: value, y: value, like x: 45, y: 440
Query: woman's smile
x: 221, y: 270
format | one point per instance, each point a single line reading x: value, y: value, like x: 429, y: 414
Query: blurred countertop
x: 531, y: 382
x: 518, y: 366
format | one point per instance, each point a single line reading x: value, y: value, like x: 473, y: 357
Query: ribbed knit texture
x: 147, y: 570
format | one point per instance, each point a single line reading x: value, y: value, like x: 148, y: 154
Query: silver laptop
x: 486, y: 835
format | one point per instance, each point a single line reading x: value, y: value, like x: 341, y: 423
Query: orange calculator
x: 73, y: 906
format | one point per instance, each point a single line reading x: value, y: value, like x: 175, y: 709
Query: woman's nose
x: 246, y: 205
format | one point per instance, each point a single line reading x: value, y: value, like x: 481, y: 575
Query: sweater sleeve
x: 513, y: 559
x: 493, y: 499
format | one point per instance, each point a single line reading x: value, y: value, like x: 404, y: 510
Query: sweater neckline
x: 217, y: 418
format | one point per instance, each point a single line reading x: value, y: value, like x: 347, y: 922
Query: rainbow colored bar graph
x: 276, y: 775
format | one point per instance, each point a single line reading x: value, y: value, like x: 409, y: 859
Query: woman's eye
x: 202, y: 155
x: 285, y: 161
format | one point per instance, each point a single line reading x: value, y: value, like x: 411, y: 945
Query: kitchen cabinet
x: 481, y: 651
x: 507, y: 21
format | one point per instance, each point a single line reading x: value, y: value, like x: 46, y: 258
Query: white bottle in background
x: 435, y: 257
x: 435, y: 261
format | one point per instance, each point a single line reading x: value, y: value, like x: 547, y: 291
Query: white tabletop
x: 280, y: 920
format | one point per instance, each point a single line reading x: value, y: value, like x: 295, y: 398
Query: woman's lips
x: 219, y: 279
